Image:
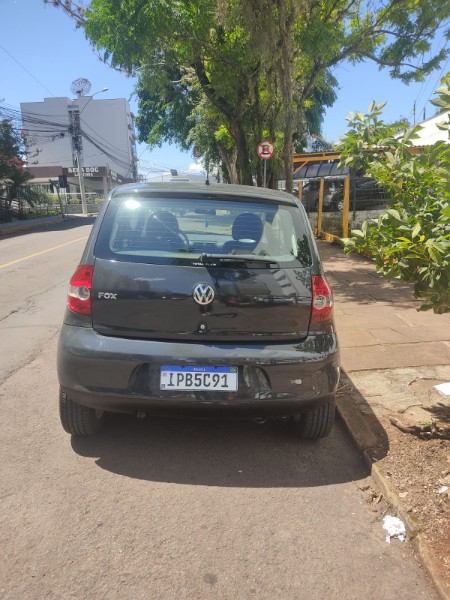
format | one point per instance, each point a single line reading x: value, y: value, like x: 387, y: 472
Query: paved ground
x: 393, y: 356
x: 381, y: 317
x: 160, y: 509
x: 24, y: 225
x: 385, y: 342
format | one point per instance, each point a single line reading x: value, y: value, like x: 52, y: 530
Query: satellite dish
x: 81, y: 86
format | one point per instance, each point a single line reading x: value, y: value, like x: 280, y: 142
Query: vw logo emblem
x: 203, y: 293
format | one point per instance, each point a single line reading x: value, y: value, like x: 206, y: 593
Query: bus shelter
x: 319, y: 172
x: 337, y: 200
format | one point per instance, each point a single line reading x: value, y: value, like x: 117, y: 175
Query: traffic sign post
x: 265, y: 150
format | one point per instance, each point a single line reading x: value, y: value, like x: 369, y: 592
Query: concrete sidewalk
x: 392, y: 357
x: 377, y: 320
x: 23, y: 225
x: 386, y: 344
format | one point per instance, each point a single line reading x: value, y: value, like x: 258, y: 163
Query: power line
x: 30, y: 118
x: 37, y: 119
x: 48, y: 130
x: 19, y: 118
x: 116, y: 159
x: 26, y: 70
x: 439, y: 78
x: 102, y: 139
x: 153, y: 163
x: 426, y: 83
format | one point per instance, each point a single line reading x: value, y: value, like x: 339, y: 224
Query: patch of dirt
x: 419, y: 470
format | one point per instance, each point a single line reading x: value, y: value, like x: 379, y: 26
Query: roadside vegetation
x: 13, y: 174
x: 222, y: 75
x: 411, y: 241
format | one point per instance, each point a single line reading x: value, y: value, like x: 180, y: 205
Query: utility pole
x: 81, y: 179
x: 75, y: 132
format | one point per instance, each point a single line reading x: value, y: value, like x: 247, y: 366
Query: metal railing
x: 68, y: 205
x: 345, y: 209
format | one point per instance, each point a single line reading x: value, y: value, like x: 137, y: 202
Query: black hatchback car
x: 199, y: 300
x: 365, y: 194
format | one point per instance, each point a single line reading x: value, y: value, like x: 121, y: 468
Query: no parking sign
x: 265, y: 150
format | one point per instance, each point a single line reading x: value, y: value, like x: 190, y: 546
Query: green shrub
x: 411, y: 241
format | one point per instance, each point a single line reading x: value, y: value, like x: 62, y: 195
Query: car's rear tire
x: 316, y: 422
x: 79, y: 420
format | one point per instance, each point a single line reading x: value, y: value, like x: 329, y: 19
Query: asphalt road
x: 167, y: 509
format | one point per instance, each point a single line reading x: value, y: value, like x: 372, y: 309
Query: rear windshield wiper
x: 208, y: 259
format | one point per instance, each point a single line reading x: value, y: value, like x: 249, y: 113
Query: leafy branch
x: 411, y: 241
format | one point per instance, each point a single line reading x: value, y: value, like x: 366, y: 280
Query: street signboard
x: 265, y: 150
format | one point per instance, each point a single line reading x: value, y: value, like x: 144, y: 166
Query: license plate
x: 224, y: 379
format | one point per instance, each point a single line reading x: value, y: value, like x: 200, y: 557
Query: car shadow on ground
x: 221, y: 453
x: 367, y: 431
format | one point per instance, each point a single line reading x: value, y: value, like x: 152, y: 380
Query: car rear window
x: 185, y: 230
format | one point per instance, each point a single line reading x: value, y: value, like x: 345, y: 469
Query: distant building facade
x: 430, y: 133
x: 102, y: 129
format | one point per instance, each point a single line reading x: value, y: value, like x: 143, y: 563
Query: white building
x: 430, y: 133
x: 103, y: 130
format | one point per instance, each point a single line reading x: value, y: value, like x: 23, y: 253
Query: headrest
x: 247, y: 226
x: 168, y: 219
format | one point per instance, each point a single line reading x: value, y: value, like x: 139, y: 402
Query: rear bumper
x: 118, y: 374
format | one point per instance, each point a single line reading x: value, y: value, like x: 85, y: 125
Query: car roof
x: 211, y: 190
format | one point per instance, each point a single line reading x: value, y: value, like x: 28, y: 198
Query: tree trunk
x: 243, y: 162
x: 229, y: 163
x: 286, y: 19
x: 232, y: 116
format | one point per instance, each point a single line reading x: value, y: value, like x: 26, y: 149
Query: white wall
x: 52, y: 152
x: 430, y: 133
x: 108, y: 123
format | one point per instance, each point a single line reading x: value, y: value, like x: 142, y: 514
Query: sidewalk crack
x: 405, y: 319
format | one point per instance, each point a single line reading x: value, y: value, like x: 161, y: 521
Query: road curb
x: 24, y: 225
x: 413, y: 529
x: 366, y: 441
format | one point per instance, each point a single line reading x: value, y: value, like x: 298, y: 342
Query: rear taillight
x: 322, y: 300
x: 79, y: 294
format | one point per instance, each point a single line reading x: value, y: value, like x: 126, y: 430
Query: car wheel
x: 316, y: 422
x: 340, y: 205
x: 77, y: 419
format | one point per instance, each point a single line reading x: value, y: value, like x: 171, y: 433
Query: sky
x: 41, y: 53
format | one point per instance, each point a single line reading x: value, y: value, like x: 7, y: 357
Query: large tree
x: 256, y: 64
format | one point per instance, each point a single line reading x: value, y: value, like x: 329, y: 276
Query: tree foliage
x: 256, y: 68
x: 411, y: 241
x: 10, y: 149
x: 13, y: 174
